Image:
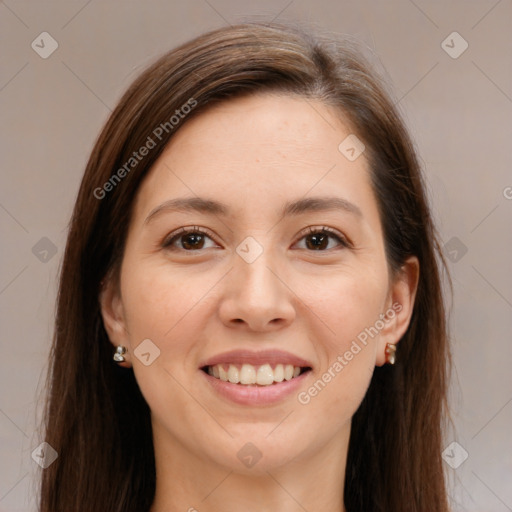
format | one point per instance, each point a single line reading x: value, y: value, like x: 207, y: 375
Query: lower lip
x: 253, y: 394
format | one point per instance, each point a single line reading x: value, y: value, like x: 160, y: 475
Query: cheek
x: 350, y: 306
x: 156, y: 301
x: 167, y: 308
x: 349, y: 303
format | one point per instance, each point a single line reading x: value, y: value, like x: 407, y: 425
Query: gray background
x: 459, y: 112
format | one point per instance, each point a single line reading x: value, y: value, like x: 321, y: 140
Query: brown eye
x: 188, y: 239
x: 192, y: 241
x: 317, y: 241
x: 320, y: 239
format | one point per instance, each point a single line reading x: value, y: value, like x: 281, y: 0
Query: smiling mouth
x: 250, y: 375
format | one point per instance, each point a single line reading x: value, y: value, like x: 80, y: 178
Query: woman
x: 250, y: 313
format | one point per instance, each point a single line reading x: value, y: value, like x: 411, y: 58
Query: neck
x: 189, y: 482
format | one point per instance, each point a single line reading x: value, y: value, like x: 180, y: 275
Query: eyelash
x: 312, y: 230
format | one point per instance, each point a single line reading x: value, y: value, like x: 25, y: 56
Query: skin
x: 254, y: 154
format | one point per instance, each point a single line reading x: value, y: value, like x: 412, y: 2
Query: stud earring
x: 118, y: 356
x: 390, y: 353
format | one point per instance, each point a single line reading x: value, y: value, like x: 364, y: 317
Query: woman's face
x: 282, y: 263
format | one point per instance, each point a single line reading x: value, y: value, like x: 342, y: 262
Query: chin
x: 256, y: 454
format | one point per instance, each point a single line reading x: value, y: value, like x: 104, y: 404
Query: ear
x: 400, y: 306
x: 112, y: 311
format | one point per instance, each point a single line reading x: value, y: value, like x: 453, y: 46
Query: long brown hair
x: 95, y: 416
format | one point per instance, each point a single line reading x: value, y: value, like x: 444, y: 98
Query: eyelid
x: 343, y: 240
x: 166, y: 243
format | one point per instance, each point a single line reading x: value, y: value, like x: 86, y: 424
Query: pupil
x: 318, y: 241
x: 192, y: 241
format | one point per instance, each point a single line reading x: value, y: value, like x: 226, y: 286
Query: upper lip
x: 271, y: 357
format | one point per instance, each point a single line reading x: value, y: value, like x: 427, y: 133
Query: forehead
x: 265, y: 125
x: 261, y: 146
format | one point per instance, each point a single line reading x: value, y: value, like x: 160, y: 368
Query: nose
x: 257, y: 297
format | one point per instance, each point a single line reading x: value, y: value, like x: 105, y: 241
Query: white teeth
x: 223, y: 374
x: 279, y: 373
x: 265, y: 375
x: 233, y: 375
x: 248, y: 374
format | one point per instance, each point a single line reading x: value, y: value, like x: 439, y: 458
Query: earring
x: 118, y: 356
x: 390, y: 353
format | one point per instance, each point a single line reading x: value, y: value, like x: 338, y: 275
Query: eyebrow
x: 209, y: 206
